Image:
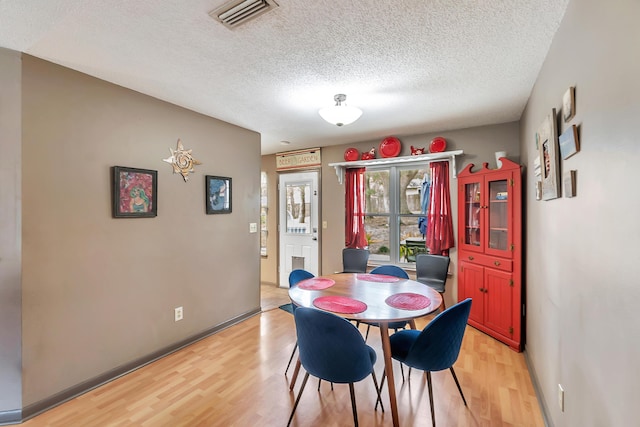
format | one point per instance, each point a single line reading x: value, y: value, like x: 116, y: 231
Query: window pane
x: 263, y: 213
x: 298, y: 207
x: 410, y: 183
x: 394, y: 204
x: 377, y: 191
x: 411, y: 240
x: 378, y: 237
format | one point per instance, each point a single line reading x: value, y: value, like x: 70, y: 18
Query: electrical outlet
x: 178, y: 313
x: 561, y: 397
x: 253, y: 227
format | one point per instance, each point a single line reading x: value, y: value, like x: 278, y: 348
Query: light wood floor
x: 236, y: 378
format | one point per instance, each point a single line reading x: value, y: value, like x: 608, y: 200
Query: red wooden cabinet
x: 490, y: 249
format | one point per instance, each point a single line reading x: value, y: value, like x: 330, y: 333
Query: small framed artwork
x: 134, y: 192
x: 547, y: 142
x: 569, y: 178
x: 569, y: 144
x: 218, y: 194
x: 537, y: 171
x: 569, y: 104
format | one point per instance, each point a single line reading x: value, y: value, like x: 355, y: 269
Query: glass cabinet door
x: 498, y: 215
x: 472, y: 214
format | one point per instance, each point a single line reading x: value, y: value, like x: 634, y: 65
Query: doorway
x: 298, y: 203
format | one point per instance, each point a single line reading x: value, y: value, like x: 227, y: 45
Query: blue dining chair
x: 354, y: 260
x: 388, y: 270
x: 435, y: 348
x: 332, y: 349
x: 295, y: 277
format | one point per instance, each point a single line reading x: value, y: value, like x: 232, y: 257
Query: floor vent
x: 237, y: 12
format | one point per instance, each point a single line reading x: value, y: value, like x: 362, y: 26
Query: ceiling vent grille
x: 237, y: 12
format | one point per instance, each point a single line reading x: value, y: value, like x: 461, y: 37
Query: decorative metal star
x: 182, y: 161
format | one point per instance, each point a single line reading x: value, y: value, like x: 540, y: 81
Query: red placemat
x: 315, y: 283
x: 380, y: 278
x: 408, y: 301
x: 339, y: 304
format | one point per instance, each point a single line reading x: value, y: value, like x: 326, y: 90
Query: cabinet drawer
x: 488, y: 261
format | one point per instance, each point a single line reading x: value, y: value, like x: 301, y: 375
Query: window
x: 393, y: 208
x: 263, y: 213
x: 298, y: 207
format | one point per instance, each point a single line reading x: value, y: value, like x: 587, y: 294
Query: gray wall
x: 99, y: 292
x: 479, y: 145
x: 10, y: 237
x: 582, y: 258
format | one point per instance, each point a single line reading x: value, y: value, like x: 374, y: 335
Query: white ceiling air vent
x: 237, y: 12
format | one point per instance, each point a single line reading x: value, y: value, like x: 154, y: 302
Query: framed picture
x: 569, y: 104
x: 569, y: 144
x: 569, y: 180
x: 547, y: 143
x: 218, y: 194
x: 134, y: 192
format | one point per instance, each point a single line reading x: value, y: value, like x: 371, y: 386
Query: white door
x: 298, y: 223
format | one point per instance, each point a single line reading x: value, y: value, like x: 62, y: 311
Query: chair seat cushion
x: 401, y: 343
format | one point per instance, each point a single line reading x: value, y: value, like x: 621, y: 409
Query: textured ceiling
x: 412, y: 66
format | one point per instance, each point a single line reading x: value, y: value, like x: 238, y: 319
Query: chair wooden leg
x: 353, y: 405
x: 295, y: 374
x: 458, y: 384
x: 320, y: 381
x: 375, y: 383
x: 433, y: 412
x: 384, y: 376
x: 295, y: 405
x: 291, y: 358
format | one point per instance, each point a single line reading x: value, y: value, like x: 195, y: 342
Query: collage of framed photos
x: 134, y: 192
x: 553, y: 150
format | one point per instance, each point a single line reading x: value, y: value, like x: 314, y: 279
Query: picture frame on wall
x: 569, y: 104
x: 134, y: 192
x: 568, y: 141
x: 569, y: 180
x: 547, y: 143
x: 218, y: 192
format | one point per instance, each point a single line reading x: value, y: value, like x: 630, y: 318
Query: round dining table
x: 371, y: 298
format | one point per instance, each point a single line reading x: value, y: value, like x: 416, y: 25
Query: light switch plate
x: 253, y: 227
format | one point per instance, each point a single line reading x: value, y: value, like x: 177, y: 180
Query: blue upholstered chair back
x: 355, y: 260
x: 432, y: 270
x: 331, y: 348
x: 438, y: 345
x: 297, y: 276
x: 390, y: 270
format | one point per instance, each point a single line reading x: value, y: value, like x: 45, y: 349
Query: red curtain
x: 354, y: 209
x: 440, y: 223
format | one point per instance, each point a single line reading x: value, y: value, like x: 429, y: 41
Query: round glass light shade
x: 340, y: 115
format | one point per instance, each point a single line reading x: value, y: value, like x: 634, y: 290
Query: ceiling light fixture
x: 340, y: 114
